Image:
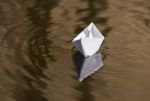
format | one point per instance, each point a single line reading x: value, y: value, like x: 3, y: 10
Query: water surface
x: 36, y: 54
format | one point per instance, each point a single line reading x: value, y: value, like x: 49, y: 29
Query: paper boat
x: 90, y: 65
x: 89, y: 40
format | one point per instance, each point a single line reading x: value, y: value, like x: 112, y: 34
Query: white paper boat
x: 89, y: 40
x: 90, y: 65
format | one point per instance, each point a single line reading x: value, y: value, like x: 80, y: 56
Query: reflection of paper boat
x: 89, y: 40
x: 90, y: 65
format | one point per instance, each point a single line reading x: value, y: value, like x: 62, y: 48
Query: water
x: 36, y: 54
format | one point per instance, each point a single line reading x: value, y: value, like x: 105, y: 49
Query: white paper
x: 89, y: 40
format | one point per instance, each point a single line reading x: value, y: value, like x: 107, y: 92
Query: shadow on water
x: 147, y: 22
x: 95, y: 7
x: 81, y: 63
x: 92, y: 12
x: 31, y: 95
x: 31, y: 80
x: 29, y: 89
x: 84, y: 86
x: 39, y: 45
x: 86, y: 89
x: 78, y: 60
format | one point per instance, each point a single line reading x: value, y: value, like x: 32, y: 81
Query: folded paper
x: 89, y: 40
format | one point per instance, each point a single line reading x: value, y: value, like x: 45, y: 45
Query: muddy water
x: 36, y: 54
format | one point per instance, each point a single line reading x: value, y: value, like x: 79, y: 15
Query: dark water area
x: 37, y: 56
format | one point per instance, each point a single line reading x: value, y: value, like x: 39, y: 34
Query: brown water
x: 36, y: 54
